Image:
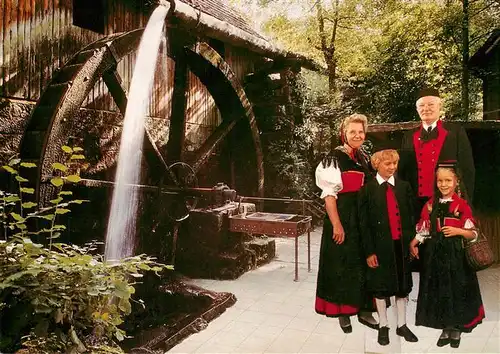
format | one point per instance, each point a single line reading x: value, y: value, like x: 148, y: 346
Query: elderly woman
x: 340, y: 286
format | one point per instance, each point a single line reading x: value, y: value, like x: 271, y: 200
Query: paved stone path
x: 274, y: 314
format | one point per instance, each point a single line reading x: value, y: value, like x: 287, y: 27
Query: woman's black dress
x: 341, y: 272
x: 449, y: 294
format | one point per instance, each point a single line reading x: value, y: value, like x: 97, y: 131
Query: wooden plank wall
x: 491, y: 86
x: 37, y: 37
x: 202, y: 115
x: 201, y: 112
x: 240, y: 60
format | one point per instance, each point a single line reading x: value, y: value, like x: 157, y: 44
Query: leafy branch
x: 62, y: 172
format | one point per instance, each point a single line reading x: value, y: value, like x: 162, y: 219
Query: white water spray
x: 121, y: 230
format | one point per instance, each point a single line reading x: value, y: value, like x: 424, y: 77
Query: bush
x: 70, y: 292
x: 56, y: 297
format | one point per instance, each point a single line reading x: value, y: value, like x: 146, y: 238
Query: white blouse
x: 329, y: 180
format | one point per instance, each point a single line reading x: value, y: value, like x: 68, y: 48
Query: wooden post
x: 177, y: 128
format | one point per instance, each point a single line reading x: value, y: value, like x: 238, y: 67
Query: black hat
x: 384, y: 145
x: 427, y: 91
x: 453, y: 165
x: 447, y: 164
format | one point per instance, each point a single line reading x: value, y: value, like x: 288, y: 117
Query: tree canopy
x: 379, y: 52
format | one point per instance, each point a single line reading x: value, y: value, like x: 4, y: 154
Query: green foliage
x: 288, y: 147
x: 416, y: 46
x: 62, y: 175
x: 73, y: 291
x: 59, y: 297
x: 385, y: 50
x: 288, y: 166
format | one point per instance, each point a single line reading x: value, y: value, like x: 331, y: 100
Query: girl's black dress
x: 449, y: 295
x: 342, y: 268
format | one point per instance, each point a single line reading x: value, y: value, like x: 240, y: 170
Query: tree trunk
x: 465, y: 60
x: 334, y: 139
x: 328, y: 49
x: 332, y: 75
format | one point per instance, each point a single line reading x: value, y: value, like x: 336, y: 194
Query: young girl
x: 449, y: 297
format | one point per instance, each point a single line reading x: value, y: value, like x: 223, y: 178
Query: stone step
x: 205, y: 263
x: 263, y: 249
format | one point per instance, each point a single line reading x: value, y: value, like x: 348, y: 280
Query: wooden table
x: 273, y: 224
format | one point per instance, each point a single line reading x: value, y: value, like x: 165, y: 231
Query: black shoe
x: 383, y: 336
x: 405, y: 332
x: 347, y: 329
x: 345, y: 324
x: 455, y: 339
x: 454, y: 343
x: 444, y: 339
x: 368, y: 324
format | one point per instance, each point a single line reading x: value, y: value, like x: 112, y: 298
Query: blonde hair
x: 382, y: 155
x: 354, y: 118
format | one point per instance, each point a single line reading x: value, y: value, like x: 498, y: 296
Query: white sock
x: 382, y: 312
x: 401, y: 306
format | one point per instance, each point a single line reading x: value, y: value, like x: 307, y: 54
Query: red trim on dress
x: 352, y: 181
x: 330, y: 309
x: 455, y: 222
x: 458, y: 207
x: 478, y: 319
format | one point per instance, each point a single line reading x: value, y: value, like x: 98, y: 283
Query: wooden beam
x: 177, y: 130
x: 115, y: 86
x: 391, y: 127
x: 212, y: 143
x: 113, y: 81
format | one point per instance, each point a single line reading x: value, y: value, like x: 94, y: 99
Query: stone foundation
x: 206, y: 249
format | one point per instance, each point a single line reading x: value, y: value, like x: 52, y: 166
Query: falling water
x: 122, y: 219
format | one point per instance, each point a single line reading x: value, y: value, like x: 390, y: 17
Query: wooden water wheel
x: 52, y: 118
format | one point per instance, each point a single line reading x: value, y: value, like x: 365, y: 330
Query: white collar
x: 381, y: 180
x: 433, y: 125
x: 445, y: 200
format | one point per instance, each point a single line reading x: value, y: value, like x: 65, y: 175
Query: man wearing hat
x: 433, y: 141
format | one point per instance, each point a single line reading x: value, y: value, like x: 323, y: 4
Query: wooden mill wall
x: 491, y: 86
x: 38, y: 36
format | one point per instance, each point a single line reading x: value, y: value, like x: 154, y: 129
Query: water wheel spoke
x: 213, y: 141
x: 113, y: 81
x: 177, y: 129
